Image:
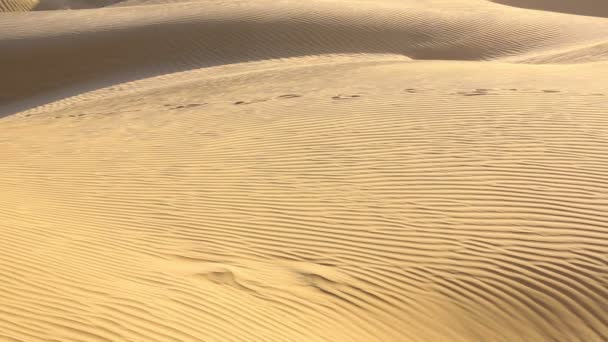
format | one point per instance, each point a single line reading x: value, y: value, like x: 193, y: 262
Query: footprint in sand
x: 238, y: 103
x: 345, y: 97
x: 191, y: 105
x: 288, y: 96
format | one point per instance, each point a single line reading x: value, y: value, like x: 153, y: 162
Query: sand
x: 218, y: 170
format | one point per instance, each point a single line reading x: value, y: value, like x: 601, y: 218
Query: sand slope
x: 297, y: 171
x: 48, y: 5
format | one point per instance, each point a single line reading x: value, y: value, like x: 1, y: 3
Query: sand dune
x: 48, y: 5
x: 584, y: 7
x: 304, y: 171
x: 107, y: 49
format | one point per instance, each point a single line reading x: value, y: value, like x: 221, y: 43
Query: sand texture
x: 17, y: 5
x: 304, y: 170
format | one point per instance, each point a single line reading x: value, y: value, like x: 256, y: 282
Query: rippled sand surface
x: 353, y: 170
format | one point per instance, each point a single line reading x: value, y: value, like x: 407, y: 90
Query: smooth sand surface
x: 215, y: 170
x: 580, y: 7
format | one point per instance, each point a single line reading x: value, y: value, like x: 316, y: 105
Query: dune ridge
x: 298, y: 171
x: 110, y: 50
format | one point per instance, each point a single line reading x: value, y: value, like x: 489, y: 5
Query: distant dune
x: 219, y: 170
x: 48, y: 5
x: 45, y: 5
x: 581, y: 7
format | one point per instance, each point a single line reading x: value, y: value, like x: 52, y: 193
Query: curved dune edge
x: 581, y: 7
x: 277, y: 171
x: 46, y: 54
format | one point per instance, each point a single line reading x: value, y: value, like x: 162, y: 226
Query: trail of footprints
x: 342, y: 97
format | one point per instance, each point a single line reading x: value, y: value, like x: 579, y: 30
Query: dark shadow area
x: 39, y: 66
x: 50, y: 5
x: 595, y: 8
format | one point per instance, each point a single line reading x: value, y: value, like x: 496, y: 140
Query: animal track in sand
x: 250, y: 102
x: 345, y: 97
x: 189, y: 105
x: 476, y: 92
x: 288, y: 96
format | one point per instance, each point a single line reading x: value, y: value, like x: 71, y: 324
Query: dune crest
x: 106, y: 49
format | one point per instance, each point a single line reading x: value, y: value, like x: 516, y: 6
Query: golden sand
x: 221, y: 170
